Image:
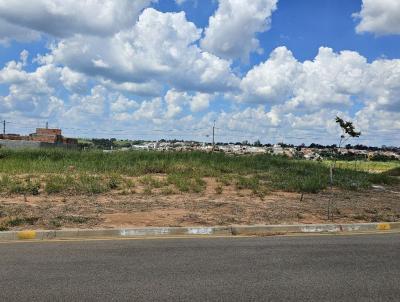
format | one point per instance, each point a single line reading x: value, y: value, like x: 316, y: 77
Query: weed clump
x: 219, y: 189
x: 152, y: 182
x: 186, y: 183
x: 16, y: 185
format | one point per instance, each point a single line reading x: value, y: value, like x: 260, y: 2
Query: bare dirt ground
x: 170, y: 208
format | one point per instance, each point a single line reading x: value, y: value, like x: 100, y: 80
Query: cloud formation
x: 159, y: 47
x: 232, y: 30
x: 63, y: 18
x: 9, y: 32
x: 380, y: 17
x: 334, y: 80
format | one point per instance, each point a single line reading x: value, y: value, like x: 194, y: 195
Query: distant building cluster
x: 277, y: 149
x: 43, y: 137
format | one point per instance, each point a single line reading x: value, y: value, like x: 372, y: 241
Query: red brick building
x: 44, y: 135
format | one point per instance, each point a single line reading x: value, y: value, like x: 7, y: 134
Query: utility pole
x: 213, y: 138
x: 4, y: 127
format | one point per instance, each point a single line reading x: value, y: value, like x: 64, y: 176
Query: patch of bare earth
x: 140, y: 208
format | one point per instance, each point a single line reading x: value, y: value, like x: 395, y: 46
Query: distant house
x: 45, y: 135
x: 277, y: 149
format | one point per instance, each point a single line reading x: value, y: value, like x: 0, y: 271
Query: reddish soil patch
x: 117, y: 209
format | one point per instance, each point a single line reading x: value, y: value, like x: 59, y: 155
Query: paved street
x: 318, y: 268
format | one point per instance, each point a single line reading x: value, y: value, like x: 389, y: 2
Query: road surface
x: 313, y: 268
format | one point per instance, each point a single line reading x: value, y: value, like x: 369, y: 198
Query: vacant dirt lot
x: 216, y: 205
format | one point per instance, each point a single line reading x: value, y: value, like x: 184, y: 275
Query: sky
x: 268, y: 70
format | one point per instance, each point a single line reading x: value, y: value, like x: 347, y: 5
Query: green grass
x: 187, y: 183
x: 225, y: 180
x: 84, y: 183
x: 251, y: 183
x: 97, y: 172
x: 152, y: 182
x: 254, y: 183
x: 59, y: 183
x: 14, y: 185
x: 299, y: 177
x: 367, y: 166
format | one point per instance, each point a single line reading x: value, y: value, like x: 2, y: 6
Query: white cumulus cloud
x: 160, y: 47
x: 63, y: 18
x: 200, y: 102
x: 331, y: 79
x: 232, y: 30
x: 380, y: 17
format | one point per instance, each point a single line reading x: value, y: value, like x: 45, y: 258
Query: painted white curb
x: 196, y: 231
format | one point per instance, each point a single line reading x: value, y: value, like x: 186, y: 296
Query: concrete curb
x: 314, y: 228
x: 251, y: 230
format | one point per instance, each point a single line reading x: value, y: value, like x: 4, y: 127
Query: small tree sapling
x: 348, y: 132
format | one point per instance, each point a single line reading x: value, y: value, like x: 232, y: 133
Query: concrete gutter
x: 253, y: 230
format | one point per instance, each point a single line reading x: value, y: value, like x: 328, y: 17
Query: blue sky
x: 263, y: 69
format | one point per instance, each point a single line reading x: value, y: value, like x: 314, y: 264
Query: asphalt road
x: 320, y: 268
